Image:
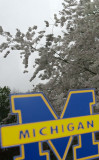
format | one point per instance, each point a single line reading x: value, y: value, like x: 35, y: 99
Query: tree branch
x: 87, y: 69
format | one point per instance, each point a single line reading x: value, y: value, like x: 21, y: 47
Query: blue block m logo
x: 80, y: 121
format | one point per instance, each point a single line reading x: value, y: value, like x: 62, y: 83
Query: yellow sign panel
x: 40, y: 131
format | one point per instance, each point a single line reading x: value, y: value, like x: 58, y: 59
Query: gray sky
x: 22, y: 14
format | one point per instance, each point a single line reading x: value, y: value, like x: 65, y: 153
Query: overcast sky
x: 22, y: 14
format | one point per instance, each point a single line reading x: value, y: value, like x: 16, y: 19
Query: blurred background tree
x: 69, y: 60
x: 72, y: 60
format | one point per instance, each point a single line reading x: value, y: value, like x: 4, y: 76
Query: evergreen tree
x: 4, y: 103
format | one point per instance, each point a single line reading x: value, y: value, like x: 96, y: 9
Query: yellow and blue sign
x: 38, y: 123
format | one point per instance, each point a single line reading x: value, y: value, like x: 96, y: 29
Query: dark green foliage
x: 4, y: 103
x: 9, y: 153
x: 6, y: 118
